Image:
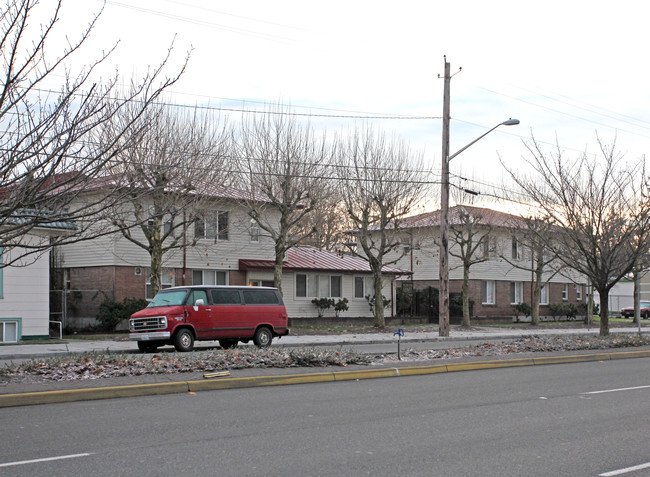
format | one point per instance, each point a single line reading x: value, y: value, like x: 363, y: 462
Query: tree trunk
x: 378, y: 312
x: 604, y: 312
x: 466, y: 316
x: 277, y: 267
x: 534, y: 312
x: 155, y: 274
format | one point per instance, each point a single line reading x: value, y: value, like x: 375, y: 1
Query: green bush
x: 322, y: 304
x: 523, y: 308
x: 111, y: 312
x: 563, y: 309
x: 341, y: 305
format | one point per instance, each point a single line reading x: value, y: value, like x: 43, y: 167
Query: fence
x: 77, y: 308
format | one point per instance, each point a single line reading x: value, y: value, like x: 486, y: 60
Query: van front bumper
x: 151, y: 336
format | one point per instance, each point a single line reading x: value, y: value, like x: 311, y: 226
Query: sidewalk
x: 74, y: 346
x: 33, y: 393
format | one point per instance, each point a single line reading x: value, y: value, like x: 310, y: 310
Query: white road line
x: 617, y: 390
x: 45, y: 459
x: 625, y: 470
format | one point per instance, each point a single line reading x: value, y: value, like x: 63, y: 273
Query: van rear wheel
x: 184, y: 340
x: 263, y: 337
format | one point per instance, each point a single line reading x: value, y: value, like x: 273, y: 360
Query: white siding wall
x: 298, y: 307
x: 422, y: 259
x: 206, y: 254
x: 26, y: 294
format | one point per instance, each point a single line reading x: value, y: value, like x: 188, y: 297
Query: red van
x: 182, y: 315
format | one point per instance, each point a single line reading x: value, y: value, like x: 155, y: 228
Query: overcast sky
x: 569, y: 70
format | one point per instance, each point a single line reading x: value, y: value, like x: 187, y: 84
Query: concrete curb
x: 87, y: 394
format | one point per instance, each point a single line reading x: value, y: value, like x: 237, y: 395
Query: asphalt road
x: 580, y: 419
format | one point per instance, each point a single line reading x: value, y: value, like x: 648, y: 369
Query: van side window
x: 261, y: 297
x: 225, y: 297
x: 197, y: 295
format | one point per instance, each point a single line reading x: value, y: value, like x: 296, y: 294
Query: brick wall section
x: 502, y: 307
x: 128, y: 284
x: 237, y: 277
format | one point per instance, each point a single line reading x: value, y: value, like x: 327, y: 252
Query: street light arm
x: 509, y: 122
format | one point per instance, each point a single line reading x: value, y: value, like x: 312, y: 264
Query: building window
x: 254, y: 283
x: 578, y: 292
x: 363, y: 287
x: 213, y: 226
x: 255, y: 231
x: 565, y: 291
x: 516, y: 249
x: 1, y: 272
x: 489, y: 245
x: 543, y: 296
x: 166, y: 282
x: 9, y: 331
x: 312, y: 285
x: 516, y: 292
x: 489, y: 287
x: 209, y: 277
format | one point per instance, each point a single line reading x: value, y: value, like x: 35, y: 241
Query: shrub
x: 524, y: 308
x: 322, y: 304
x: 111, y: 312
x: 563, y: 309
x: 341, y: 305
x: 371, y: 302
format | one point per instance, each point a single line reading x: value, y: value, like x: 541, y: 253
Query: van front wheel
x: 263, y: 337
x: 184, y: 340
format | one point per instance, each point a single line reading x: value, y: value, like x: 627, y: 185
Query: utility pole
x: 443, y: 296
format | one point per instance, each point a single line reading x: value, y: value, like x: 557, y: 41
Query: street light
x: 443, y: 296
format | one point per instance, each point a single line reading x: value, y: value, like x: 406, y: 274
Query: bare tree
x: 284, y: 166
x: 468, y: 231
x: 48, y: 154
x: 532, y: 237
x: 326, y: 226
x: 170, y: 174
x: 600, y: 208
x: 383, y: 182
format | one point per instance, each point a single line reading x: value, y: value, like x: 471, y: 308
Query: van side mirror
x: 199, y: 302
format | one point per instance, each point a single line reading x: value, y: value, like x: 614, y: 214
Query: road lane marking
x: 44, y: 459
x: 626, y: 470
x: 618, y: 390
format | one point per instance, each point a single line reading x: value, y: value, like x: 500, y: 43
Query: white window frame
x: 489, y: 245
x: 578, y: 287
x: 2, y: 251
x: 516, y: 249
x: 318, y: 285
x: 516, y: 292
x: 166, y: 281
x: 543, y: 296
x: 214, y: 277
x: 565, y: 291
x: 368, y: 286
x: 254, y: 231
x: 488, y: 292
x: 203, y: 229
x: 3, y: 330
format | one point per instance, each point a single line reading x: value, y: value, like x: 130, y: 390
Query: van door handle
x: 208, y: 309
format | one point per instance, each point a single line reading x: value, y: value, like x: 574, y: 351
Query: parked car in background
x: 181, y: 315
x: 628, y: 312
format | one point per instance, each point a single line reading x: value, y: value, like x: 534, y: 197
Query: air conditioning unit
x: 138, y: 271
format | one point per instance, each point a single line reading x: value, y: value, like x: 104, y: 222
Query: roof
x: 36, y: 218
x: 198, y: 187
x: 488, y: 217
x: 308, y: 258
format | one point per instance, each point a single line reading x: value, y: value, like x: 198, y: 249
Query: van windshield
x: 168, y: 298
